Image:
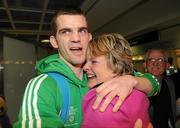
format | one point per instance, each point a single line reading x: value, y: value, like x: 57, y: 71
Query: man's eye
x: 83, y: 31
x: 65, y: 32
x: 160, y: 59
x: 152, y: 59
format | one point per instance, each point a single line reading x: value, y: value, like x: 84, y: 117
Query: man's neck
x: 159, y: 77
x: 77, y: 69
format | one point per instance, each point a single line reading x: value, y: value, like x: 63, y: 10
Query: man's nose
x: 75, y: 37
x: 155, y: 63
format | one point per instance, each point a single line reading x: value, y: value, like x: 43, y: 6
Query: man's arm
x: 178, y: 113
x: 39, y: 105
x: 122, y: 87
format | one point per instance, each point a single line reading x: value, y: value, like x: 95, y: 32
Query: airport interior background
x: 25, y: 30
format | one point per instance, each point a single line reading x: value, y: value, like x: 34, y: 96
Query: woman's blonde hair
x: 116, y: 49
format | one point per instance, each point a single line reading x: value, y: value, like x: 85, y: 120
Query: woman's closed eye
x: 94, y: 61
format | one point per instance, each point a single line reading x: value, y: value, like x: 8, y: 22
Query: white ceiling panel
x: 104, y: 11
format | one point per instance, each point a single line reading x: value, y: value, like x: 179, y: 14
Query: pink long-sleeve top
x: 135, y: 106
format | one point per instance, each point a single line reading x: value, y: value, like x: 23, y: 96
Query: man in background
x: 163, y: 105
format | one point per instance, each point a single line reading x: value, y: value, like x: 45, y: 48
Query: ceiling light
x: 45, y: 41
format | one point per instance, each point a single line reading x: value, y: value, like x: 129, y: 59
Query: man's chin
x: 157, y: 74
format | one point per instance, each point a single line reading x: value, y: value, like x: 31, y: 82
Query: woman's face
x: 97, y: 70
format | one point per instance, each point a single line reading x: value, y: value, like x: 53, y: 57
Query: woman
x: 109, y: 55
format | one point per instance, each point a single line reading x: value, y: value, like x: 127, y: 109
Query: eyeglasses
x: 159, y: 60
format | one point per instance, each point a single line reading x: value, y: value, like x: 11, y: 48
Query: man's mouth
x: 155, y: 68
x: 76, y: 49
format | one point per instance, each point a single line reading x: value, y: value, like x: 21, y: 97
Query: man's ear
x: 53, y: 42
x: 167, y: 65
x: 144, y: 65
x: 90, y: 36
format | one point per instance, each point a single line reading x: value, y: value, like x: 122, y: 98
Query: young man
x: 42, y: 100
x: 164, y: 102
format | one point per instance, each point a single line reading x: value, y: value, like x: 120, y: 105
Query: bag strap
x: 64, y: 89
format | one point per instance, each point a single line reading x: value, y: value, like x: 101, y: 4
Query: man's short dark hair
x: 67, y: 10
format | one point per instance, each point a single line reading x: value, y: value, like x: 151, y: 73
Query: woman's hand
x: 138, y: 124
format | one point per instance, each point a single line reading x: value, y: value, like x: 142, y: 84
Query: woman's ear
x: 53, y: 42
x: 114, y: 75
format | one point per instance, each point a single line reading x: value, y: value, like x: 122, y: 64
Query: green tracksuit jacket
x: 42, y: 100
